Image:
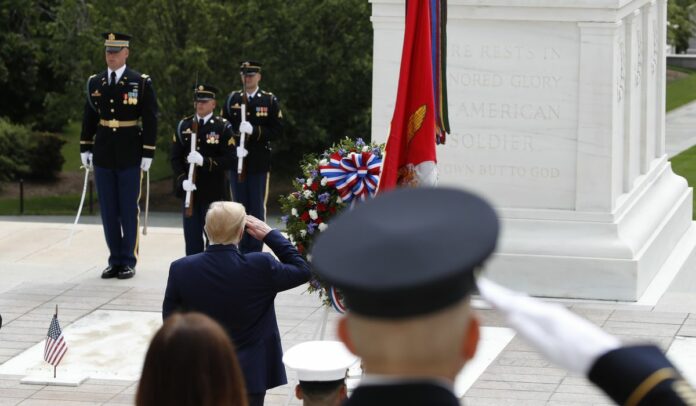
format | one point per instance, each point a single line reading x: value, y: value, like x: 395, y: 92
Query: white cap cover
x: 319, y: 361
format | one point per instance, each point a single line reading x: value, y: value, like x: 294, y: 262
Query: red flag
x: 410, y: 152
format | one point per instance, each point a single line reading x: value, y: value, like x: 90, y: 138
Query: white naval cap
x: 319, y: 361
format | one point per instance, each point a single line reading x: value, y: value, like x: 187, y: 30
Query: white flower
x: 323, y: 162
x: 307, y: 194
x: 293, y: 211
x: 324, y: 181
x: 303, y: 233
x: 323, y: 226
x: 338, y: 199
x: 313, y: 214
x: 365, y: 148
x: 309, y: 181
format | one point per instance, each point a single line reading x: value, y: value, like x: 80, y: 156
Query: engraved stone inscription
x: 513, y: 112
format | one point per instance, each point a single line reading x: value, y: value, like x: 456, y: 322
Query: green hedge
x: 28, y: 154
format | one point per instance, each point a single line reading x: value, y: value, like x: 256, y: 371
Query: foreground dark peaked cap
x: 407, y: 252
x: 203, y: 92
x: 115, y: 41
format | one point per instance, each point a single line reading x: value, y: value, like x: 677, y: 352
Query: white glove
x: 188, y: 186
x: 194, y: 157
x: 560, y: 335
x: 242, y: 152
x: 145, y: 164
x: 86, y: 158
x: 246, y: 127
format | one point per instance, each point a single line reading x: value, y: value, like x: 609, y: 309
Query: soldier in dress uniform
x: 214, y: 156
x: 119, y: 129
x: 263, y: 124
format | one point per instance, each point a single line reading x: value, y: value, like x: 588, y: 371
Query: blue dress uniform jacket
x: 408, y: 394
x: 264, y: 114
x: 238, y: 292
x: 216, y: 143
x: 108, y: 130
x: 641, y: 376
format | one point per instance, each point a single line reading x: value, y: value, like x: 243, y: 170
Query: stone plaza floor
x: 38, y: 271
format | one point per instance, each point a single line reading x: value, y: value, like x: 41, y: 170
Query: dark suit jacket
x: 642, y: 374
x: 238, y: 292
x: 411, y: 394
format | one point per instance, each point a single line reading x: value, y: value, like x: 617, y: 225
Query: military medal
x: 125, y: 98
x: 212, y: 138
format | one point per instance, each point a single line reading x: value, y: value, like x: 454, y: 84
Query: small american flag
x: 56, y: 347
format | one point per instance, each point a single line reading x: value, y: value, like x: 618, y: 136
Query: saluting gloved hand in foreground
x: 563, y: 337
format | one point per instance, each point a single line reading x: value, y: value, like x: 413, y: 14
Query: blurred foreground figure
x: 191, y: 362
x: 409, y: 321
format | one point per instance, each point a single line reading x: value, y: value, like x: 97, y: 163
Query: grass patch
x: 681, y: 91
x: 680, y: 69
x: 66, y: 204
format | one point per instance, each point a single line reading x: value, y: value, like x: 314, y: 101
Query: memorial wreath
x: 345, y: 174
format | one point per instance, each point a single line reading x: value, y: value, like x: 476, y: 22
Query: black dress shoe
x: 126, y: 272
x: 110, y: 272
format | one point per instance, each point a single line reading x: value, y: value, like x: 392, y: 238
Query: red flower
x: 321, y: 207
x: 332, y: 210
x: 300, y: 247
x: 319, y: 220
x: 304, y: 216
x: 315, y: 186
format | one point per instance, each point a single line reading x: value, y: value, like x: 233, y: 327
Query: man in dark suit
x: 213, y: 156
x: 238, y: 291
x: 119, y: 129
x: 263, y: 123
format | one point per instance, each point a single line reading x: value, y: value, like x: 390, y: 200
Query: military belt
x: 117, y: 123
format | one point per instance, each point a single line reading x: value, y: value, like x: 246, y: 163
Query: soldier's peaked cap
x: 249, y: 67
x: 202, y: 92
x: 115, y: 41
x: 407, y: 252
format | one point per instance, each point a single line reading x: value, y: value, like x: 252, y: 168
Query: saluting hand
x: 257, y: 228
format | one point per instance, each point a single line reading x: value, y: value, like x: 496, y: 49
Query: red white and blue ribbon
x: 336, y: 300
x: 355, y: 175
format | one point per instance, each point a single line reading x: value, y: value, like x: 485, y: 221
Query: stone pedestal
x: 557, y: 117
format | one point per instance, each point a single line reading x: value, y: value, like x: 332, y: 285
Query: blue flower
x: 341, y: 151
x: 310, y: 228
x: 359, y: 143
x: 299, y: 180
x: 314, y: 173
x: 315, y: 284
x: 284, y: 219
x: 377, y: 152
x: 324, y: 198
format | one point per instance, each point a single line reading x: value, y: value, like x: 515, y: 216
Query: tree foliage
x: 681, y: 25
x: 316, y: 55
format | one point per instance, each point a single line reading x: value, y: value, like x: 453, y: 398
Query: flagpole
x: 55, y: 366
